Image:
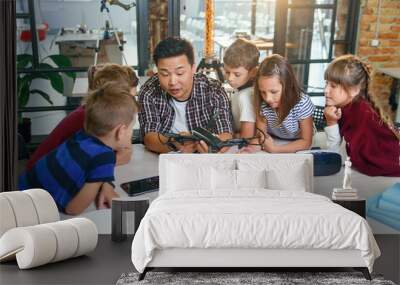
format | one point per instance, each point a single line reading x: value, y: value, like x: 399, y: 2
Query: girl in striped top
x: 282, y: 110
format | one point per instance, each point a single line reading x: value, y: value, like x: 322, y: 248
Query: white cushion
x: 185, y: 177
x: 179, y: 172
x: 7, y: 217
x: 31, y: 246
x: 223, y: 179
x: 87, y: 235
x: 190, y: 174
x: 45, y: 206
x: 278, y: 177
x: 290, y: 172
x: 251, y: 178
x: 23, y: 208
x: 226, y: 179
x: 26, y: 208
x: 67, y: 238
x: 34, y: 244
x: 40, y: 244
x: 194, y: 171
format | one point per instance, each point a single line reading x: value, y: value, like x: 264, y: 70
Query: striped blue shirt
x: 64, y: 171
x: 290, y: 127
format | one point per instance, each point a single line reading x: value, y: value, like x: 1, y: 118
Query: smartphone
x: 141, y: 186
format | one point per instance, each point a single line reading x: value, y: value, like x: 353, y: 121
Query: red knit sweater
x: 63, y: 131
x: 373, y: 148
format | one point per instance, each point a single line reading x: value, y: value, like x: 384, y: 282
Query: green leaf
x: 43, y: 94
x: 23, y: 91
x: 71, y: 74
x: 55, y: 78
x: 23, y: 60
x: 40, y: 75
x: 45, y: 66
x: 56, y: 82
x: 62, y: 61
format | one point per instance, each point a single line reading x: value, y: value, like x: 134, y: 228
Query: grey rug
x: 273, y: 278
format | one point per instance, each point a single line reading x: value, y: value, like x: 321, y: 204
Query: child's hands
x: 250, y: 149
x: 268, y: 144
x: 332, y: 115
x: 123, y: 155
x: 105, y: 196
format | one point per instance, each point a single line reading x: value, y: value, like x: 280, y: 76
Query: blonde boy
x: 81, y: 170
x: 240, y: 65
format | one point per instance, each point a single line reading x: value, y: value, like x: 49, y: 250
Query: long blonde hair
x: 276, y: 65
x: 350, y: 71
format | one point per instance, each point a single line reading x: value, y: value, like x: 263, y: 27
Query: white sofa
x: 204, y: 217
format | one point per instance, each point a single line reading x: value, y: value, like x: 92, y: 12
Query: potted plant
x: 24, y: 82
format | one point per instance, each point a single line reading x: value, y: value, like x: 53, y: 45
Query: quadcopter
x: 214, y: 143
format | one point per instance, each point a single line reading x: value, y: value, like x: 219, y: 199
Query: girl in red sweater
x: 372, y: 141
x: 97, y: 76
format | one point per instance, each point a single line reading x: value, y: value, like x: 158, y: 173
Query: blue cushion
x: 326, y: 163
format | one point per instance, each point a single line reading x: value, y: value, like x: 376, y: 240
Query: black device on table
x: 141, y: 186
x: 214, y: 143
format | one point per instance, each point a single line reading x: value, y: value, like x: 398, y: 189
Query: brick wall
x: 387, y: 54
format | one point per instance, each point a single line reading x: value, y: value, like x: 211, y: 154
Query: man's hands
x: 187, y: 147
x: 332, y: 115
x: 105, y: 196
x: 200, y: 146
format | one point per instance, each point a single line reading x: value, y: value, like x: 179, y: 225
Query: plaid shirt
x: 208, y: 99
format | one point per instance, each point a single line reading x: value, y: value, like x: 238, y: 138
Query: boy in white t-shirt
x: 240, y: 65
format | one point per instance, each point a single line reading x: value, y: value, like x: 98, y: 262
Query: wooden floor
x: 110, y: 259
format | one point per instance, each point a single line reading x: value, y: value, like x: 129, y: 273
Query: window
x: 57, y: 41
x: 310, y: 33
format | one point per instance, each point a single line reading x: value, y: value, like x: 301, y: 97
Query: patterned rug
x: 242, y: 278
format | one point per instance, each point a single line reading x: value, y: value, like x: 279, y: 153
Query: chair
x: 31, y: 233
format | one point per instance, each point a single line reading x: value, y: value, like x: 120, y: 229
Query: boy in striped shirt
x: 81, y: 170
